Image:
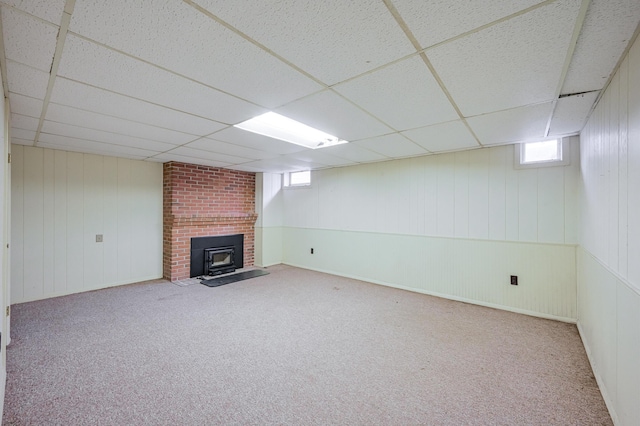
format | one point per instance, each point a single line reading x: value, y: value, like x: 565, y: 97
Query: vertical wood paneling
x: 497, y: 193
x: 93, y: 210
x: 551, y: 205
x: 430, y: 218
x: 633, y: 181
x: 147, y: 213
x: 612, y: 132
x: 64, y: 199
x: 110, y: 220
x: 416, y: 210
x: 623, y: 168
x: 125, y: 219
x: 608, y: 270
x: 512, y: 191
x: 571, y: 185
x: 60, y: 222
x: 34, y: 221
x: 445, y: 175
x: 48, y: 242
x: 75, y: 222
x: 628, y: 371
x: 462, y: 269
x: 479, y: 167
x: 17, y: 222
x: 528, y: 205
x: 461, y: 202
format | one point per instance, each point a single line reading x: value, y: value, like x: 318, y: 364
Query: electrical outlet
x: 311, y: 251
x: 514, y: 280
x: 98, y: 238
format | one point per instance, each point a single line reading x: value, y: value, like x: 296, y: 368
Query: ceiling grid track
x: 582, y: 15
x: 3, y: 62
x: 403, y: 25
x: 62, y: 36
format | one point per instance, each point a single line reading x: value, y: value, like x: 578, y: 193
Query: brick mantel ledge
x: 213, y: 220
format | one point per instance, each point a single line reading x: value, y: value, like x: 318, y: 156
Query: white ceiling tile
x: 25, y: 105
x: 207, y: 52
x: 92, y: 120
x: 450, y: 136
x: 27, y: 81
x: 332, y: 114
x: 608, y: 27
x: 28, y: 40
x: 253, y: 140
x: 571, y: 113
x: 403, y: 95
x: 212, y: 145
x: 96, y: 65
x: 78, y: 95
x: 29, y: 135
x: 24, y: 122
x: 514, y: 125
x: 393, y: 146
x: 358, y: 36
x: 320, y: 156
x: 84, y: 145
x: 67, y: 130
x: 438, y: 20
x: 514, y: 63
x: 49, y: 10
x: 354, y: 152
x: 190, y: 160
x: 208, y: 155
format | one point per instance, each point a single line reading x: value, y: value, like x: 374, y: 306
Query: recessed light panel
x: 283, y: 128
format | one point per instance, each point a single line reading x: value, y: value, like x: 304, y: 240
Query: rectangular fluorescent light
x: 285, y: 129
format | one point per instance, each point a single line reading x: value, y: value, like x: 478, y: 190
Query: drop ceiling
x: 166, y: 80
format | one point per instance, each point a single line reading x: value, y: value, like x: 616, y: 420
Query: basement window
x: 554, y: 152
x: 297, y: 179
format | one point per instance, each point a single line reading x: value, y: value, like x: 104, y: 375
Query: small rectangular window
x: 302, y: 178
x: 538, y: 152
x: 552, y: 152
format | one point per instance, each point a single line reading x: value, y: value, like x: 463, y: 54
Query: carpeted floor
x: 293, y: 347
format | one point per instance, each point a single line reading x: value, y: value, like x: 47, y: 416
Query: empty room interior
x: 442, y: 197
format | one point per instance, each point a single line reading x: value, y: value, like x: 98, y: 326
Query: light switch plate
x: 98, y: 238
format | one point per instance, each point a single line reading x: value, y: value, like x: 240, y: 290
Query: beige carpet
x: 293, y: 347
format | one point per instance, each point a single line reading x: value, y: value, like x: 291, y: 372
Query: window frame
x: 286, y: 180
x: 518, y: 152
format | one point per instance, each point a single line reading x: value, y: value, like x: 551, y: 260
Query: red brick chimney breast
x: 202, y: 201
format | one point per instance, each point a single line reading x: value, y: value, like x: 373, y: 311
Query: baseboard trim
x: 444, y: 296
x: 84, y: 290
x: 603, y: 390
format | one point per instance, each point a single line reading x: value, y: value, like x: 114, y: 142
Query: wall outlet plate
x: 98, y: 238
x: 514, y: 280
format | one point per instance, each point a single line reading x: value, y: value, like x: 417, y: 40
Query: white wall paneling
x: 5, y: 240
x: 473, y: 199
x: 473, y: 194
x: 61, y: 201
x: 462, y: 269
x: 268, y: 229
x: 608, y: 270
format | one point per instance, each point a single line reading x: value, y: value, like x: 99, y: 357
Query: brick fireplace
x: 204, y: 201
